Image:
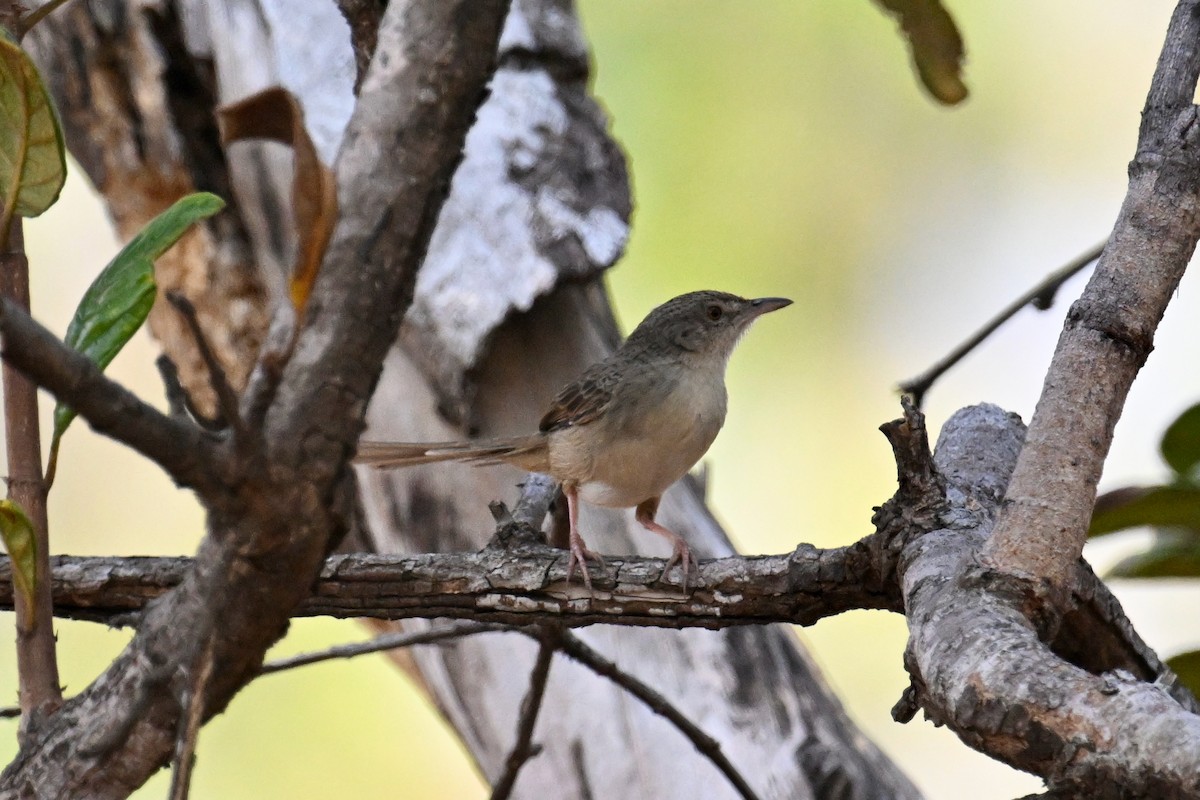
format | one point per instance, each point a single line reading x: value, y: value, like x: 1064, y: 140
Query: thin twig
x: 37, y: 660
x: 177, y: 399
x: 264, y: 379
x: 523, y: 748
x: 1040, y: 297
x: 387, y: 641
x: 574, y: 647
x: 189, y: 724
x: 179, y: 403
x: 227, y: 400
x: 37, y: 15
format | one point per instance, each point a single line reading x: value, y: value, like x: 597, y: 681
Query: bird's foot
x: 580, y: 554
x: 681, y: 554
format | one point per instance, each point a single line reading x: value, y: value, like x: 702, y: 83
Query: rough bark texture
x: 1091, y: 709
x: 255, y: 566
x: 1056, y: 683
x: 518, y: 585
x: 980, y: 667
x: 508, y: 307
x: 1110, y: 330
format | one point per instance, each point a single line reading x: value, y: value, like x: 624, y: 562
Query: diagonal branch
x: 1040, y: 296
x: 227, y: 401
x: 378, y: 644
x: 523, y: 748
x: 184, y: 451
x: 1109, y: 331
x: 710, y: 748
x: 269, y: 532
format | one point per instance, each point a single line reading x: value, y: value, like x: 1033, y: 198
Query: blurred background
x: 777, y: 148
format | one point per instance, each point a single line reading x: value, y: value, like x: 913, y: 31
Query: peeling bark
x: 255, y: 566
x: 539, y: 209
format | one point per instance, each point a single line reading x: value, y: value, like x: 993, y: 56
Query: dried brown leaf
x: 937, y: 46
x: 275, y: 114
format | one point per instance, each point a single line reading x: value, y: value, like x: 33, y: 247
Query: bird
x: 629, y: 427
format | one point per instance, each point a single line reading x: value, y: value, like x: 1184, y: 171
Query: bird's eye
x: 714, y: 312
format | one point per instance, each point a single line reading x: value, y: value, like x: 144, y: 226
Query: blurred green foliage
x: 1173, y: 511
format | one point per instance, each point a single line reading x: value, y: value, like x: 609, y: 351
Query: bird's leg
x: 680, y: 552
x: 579, y: 551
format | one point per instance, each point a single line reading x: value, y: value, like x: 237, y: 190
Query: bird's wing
x: 584, y: 400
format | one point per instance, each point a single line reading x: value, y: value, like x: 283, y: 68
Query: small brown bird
x: 630, y: 426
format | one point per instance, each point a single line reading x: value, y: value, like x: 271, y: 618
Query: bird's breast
x: 653, y: 434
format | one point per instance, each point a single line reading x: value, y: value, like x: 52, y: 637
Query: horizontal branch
x: 524, y: 586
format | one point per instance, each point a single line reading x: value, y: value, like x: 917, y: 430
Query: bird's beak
x: 764, y: 305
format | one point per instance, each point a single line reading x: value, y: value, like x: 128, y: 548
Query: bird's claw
x: 580, y: 555
x: 681, y: 554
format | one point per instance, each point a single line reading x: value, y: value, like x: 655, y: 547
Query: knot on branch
x: 1035, y: 599
x: 1131, y: 336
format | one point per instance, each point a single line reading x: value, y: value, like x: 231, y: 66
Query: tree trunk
x: 509, y: 306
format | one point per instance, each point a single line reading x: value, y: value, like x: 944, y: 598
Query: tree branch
x: 37, y: 658
x: 1109, y: 331
x: 184, y: 451
x: 386, y: 641
x: 227, y: 402
x: 1040, y: 296
x: 710, y: 748
x: 523, y: 748
x: 524, y: 585
x: 979, y: 667
x: 269, y: 532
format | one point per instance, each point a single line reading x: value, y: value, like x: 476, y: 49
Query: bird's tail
x: 527, y: 452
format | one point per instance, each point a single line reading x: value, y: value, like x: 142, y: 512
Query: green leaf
x: 1187, y: 667
x: 1181, y: 442
x: 118, y: 301
x: 21, y: 544
x: 937, y: 47
x: 1159, y: 506
x: 32, y: 157
x: 1173, y: 554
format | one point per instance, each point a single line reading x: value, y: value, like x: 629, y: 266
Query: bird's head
x: 702, y: 324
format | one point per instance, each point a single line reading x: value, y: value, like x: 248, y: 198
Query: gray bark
x: 276, y: 488
x: 508, y: 306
